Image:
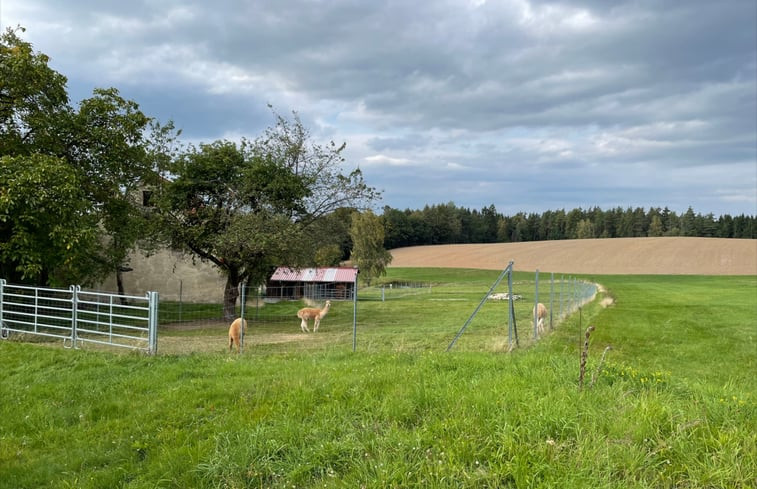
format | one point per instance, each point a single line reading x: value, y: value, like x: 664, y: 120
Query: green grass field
x: 674, y: 405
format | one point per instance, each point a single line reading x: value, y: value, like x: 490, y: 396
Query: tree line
x: 448, y: 223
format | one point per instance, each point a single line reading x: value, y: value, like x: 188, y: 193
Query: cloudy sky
x: 527, y: 105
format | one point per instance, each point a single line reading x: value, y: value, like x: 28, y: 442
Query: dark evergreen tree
x: 447, y: 223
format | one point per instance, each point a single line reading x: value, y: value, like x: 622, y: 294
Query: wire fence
x: 390, y: 316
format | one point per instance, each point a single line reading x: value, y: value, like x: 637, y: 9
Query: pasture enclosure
x: 402, y: 311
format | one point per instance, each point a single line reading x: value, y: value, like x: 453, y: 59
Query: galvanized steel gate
x: 78, y: 316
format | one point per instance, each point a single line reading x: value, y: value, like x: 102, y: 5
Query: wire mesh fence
x: 396, y: 316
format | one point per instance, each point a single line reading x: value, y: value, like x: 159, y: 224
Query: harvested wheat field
x: 618, y: 256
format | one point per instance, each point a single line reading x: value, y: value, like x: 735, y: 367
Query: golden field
x: 617, y: 256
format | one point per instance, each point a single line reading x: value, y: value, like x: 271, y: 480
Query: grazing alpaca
x: 308, y: 313
x: 235, y: 331
x: 540, y: 311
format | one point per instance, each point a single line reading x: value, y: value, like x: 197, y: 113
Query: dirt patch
x: 173, y: 345
x: 197, y: 325
x: 618, y: 256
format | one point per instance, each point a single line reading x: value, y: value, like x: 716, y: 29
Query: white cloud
x: 383, y: 160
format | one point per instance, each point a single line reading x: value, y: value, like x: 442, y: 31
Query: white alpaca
x: 540, y: 312
x: 308, y: 313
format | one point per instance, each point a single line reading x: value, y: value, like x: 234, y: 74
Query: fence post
x: 152, y: 322
x: 354, y: 313
x: 74, y: 313
x: 3, y: 331
x: 551, y: 298
x: 510, y: 310
x: 243, y: 299
x: 535, y: 314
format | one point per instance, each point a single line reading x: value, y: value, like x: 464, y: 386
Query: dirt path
x: 656, y: 256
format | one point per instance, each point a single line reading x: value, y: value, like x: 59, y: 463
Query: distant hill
x: 622, y: 256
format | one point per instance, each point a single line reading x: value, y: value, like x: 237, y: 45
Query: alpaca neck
x: 324, y: 311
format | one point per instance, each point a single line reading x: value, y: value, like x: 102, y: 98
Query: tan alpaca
x: 235, y: 332
x: 540, y: 311
x: 308, y: 313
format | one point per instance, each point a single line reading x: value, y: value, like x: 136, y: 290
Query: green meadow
x: 672, y: 405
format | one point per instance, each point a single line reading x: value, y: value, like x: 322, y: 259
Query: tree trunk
x: 120, y: 285
x: 230, y: 294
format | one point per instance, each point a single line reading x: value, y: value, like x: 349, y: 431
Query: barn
x: 336, y: 283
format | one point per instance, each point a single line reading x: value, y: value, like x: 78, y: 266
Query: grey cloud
x: 558, y: 88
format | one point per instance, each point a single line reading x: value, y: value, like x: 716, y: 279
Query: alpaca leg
x: 316, y: 323
x: 304, y: 326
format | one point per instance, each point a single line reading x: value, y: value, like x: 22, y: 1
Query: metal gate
x: 77, y: 316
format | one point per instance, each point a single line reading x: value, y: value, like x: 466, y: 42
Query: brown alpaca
x: 540, y: 311
x: 308, y: 313
x: 235, y: 332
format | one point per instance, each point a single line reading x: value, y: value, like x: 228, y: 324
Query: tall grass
x: 675, y: 405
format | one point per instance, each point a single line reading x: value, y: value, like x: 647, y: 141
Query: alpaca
x: 540, y: 311
x: 307, y: 313
x: 235, y: 332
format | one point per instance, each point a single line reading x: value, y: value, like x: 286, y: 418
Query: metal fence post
x: 243, y: 296
x: 3, y: 331
x: 354, y: 313
x: 551, y: 298
x: 535, y: 314
x: 75, y: 289
x: 511, y: 305
x: 510, y: 318
x: 512, y: 329
x: 152, y: 322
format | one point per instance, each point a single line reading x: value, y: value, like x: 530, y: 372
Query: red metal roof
x: 337, y: 274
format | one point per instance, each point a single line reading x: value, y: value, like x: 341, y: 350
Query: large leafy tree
x: 250, y: 206
x: 44, y: 224
x: 106, y: 147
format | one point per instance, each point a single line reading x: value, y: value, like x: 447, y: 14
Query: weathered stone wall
x: 173, y: 276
